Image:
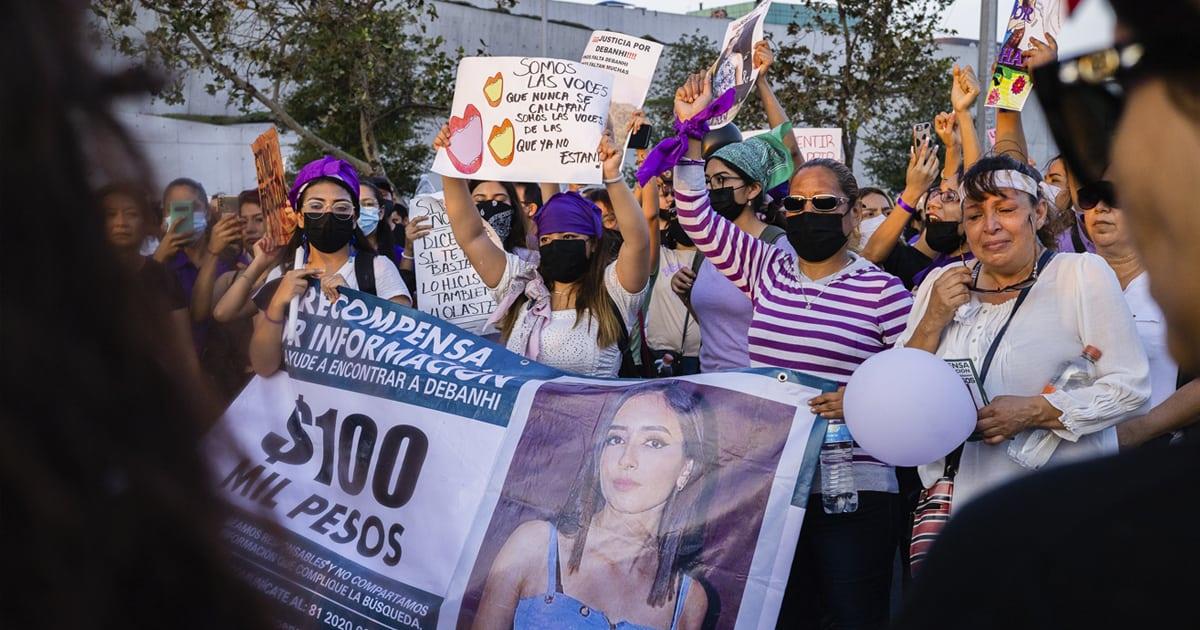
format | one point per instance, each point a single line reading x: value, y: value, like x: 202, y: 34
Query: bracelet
x: 903, y: 204
x: 614, y: 180
x: 689, y: 162
x: 277, y: 322
x: 405, y: 255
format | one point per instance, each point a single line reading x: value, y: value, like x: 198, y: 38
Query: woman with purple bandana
x: 567, y: 309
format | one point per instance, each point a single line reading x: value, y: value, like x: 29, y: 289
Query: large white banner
x: 814, y: 142
x: 404, y: 473
x: 632, y: 62
x: 526, y: 119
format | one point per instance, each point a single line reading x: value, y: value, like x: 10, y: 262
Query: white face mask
x: 867, y: 227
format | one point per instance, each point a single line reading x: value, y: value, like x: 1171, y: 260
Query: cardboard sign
x: 447, y: 285
x: 1011, y: 84
x: 526, y: 119
x: 632, y: 61
x: 272, y: 189
x: 734, y: 67
x: 813, y: 142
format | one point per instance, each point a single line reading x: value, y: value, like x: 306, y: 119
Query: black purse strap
x: 955, y: 456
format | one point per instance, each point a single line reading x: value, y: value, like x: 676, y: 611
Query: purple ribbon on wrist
x: 667, y: 153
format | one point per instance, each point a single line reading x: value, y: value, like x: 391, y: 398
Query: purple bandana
x: 569, y: 212
x: 328, y: 166
x: 666, y: 154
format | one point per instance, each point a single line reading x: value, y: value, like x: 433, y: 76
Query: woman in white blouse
x: 1073, y: 301
x: 566, y: 308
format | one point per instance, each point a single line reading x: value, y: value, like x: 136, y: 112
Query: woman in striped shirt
x: 823, y: 311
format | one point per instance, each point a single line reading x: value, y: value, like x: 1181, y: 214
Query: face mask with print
x: 722, y: 201
x: 563, y: 260
x: 368, y: 219
x: 499, y: 215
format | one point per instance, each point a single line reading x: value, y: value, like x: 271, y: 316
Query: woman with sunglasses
x: 326, y: 191
x: 1169, y: 409
x: 1018, y: 314
x: 822, y: 310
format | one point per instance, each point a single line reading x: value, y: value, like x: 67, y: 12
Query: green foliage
x: 356, y: 78
x: 879, y: 76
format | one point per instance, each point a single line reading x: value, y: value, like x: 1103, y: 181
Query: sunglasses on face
x: 795, y: 204
x: 1084, y: 97
x: 1092, y: 195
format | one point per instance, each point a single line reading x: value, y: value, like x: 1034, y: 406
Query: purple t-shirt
x: 1066, y: 240
x: 187, y: 273
x: 724, y: 312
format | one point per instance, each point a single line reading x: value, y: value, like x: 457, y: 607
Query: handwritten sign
x: 525, y: 119
x: 272, y: 190
x: 734, y: 67
x: 1011, y: 84
x: 632, y: 61
x: 813, y: 142
x: 447, y: 286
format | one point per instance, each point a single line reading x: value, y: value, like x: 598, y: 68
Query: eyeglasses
x: 1020, y: 286
x: 720, y: 179
x: 1083, y: 99
x: 1092, y: 195
x: 947, y: 196
x: 343, y: 210
x: 795, y: 204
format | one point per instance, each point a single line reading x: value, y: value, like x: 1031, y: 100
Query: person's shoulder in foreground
x: 1110, y: 543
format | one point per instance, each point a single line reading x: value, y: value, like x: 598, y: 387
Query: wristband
x: 277, y: 322
x: 903, y: 204
x: 614, y: 180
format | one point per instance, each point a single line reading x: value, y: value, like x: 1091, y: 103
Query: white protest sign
x: 633, y: 61
x: 447, y: 286
x: 525, y: 119
x: 813, y: 142
x: 734, y: 67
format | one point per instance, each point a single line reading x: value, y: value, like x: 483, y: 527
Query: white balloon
x: 906, y: 407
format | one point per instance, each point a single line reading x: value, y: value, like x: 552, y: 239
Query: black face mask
x: 328, y: 233
x: 563, y: 260
x: 815, y: 236
x: 722, y: 201
x: 499, y: 215
x: 943, y: 236
x: 675, y: 236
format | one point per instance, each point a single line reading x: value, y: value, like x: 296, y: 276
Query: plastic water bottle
x: 1076, y: 373
x: 838, y: 492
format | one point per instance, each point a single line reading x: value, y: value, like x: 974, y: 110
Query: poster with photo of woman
x: 734, y: 67
x: 658, y: 504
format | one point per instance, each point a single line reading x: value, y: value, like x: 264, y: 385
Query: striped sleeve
x: 891, y: 313
x: 736, y: 254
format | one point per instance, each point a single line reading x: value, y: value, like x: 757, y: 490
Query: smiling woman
x: 632, y: 524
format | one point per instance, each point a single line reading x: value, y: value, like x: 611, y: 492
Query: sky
x: 1087, y: 30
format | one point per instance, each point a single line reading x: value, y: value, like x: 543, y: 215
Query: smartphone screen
x: 180, y: 214
x: 641, y: 139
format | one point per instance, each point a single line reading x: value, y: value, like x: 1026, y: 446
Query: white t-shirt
x: 668, y: 323
x: 1152, y: 329
x: 564, y: 345
x: 388, y: 283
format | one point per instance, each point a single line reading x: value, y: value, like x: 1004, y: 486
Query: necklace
x: 804, y: 290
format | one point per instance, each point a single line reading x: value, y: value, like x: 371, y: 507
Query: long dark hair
x: 101, y: 472
x: 681, y: 530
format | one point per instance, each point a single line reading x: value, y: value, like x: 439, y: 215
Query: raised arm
x: 964, y: 91
x: 633, y: 261
x: 736, y: 254
x: 922, y: 170
x: 946, y: 126
x: 225, y: 233
x: 486, y: 257
x: 763, y: 57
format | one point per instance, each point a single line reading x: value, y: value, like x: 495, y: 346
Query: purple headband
x: 330, y: 167
x: 569, y: 212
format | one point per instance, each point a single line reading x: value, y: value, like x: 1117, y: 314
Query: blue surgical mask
x: 368, y: 219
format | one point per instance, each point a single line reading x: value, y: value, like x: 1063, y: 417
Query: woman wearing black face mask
x: 822, y: 311
x: 571, y: 309
x: 326, y: 195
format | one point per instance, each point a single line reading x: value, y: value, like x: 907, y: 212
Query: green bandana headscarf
x: 764, y: 157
